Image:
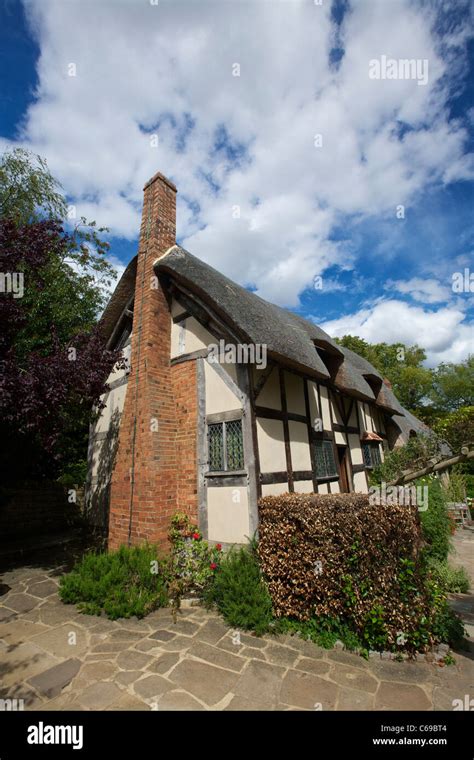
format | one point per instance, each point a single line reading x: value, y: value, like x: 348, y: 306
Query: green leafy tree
x: 29, y: 194
x: 45, y: 399
x: 453, y: 386
x: 457, y: 428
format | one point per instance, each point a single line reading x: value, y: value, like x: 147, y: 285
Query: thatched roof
x: 383, y: 395
x: 408, y: 424
x: 122, y: 294
x: 290, y: 339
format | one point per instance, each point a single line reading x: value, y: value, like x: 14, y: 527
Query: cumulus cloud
x: 422, y: 290
x: 445, y: 334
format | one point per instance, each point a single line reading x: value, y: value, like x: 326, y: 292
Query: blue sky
x: 380, y: 209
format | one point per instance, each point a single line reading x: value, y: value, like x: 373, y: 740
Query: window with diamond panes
x: 225, y: 446
x: 371, y: 452
x: 376, y: 458
x: 215, y: 443
x: 366, y: 453
x: 325, y: 462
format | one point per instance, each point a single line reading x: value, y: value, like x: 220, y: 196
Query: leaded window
x: 225, y: 446
x: 371, y: 453
x: 325, y: 462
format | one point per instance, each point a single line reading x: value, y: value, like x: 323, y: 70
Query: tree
x: 29, y: 193
x: 359, y: 346
x: 453, y: 385
x: 457, y: 428
x: 52, y: 370
x: 27, y: 189
x: 53, y: 362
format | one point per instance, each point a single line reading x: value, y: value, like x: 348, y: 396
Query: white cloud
x: 422, y: 290
x: 444, y: 334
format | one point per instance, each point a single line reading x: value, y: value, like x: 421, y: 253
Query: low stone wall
x: 34, y: 509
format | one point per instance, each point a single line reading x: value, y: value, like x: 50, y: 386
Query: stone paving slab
x: 50, y: 683
x: 198, y: 663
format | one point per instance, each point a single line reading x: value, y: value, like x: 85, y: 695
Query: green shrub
x: 240, y: 594
x: 194, y: 561
x: 445, y: 625
x: 452, y: 580
x: 413, y: 454
x: 435, y: 523
x: 75, y: 474
x: 374, y: 631
x: 323, y: 631
x: 455, y: 488
x: 469, y: 478
x: 130, y: 581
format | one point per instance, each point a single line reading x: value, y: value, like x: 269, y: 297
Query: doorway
x: 344, y: 469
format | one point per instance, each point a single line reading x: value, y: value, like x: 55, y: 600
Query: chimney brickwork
x: 155, y: 470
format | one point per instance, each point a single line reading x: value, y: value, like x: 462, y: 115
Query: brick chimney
x: 144, y: 480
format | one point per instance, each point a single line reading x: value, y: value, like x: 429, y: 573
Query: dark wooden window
x: 225, y: 446
x: 325, y: 462
x: 371, y: 452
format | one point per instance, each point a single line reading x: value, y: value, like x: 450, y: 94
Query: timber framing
x: 286, y: 430
x: 291, y: 476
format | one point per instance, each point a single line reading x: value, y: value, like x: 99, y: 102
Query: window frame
x: 223, y: 423
x: 326, y: 444
x: 371, y: 446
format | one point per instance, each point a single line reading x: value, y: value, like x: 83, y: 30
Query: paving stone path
x: 54, y: 658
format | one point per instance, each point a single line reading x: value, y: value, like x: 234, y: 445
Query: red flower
x: 219, y: 547
x: 196, y: 536
x: 213, y: 566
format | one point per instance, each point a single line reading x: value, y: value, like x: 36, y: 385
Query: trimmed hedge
x: 339, y: 557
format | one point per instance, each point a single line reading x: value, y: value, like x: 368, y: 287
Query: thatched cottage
x: 226, y: 397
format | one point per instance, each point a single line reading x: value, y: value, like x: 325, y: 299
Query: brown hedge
x: 361, y: 548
